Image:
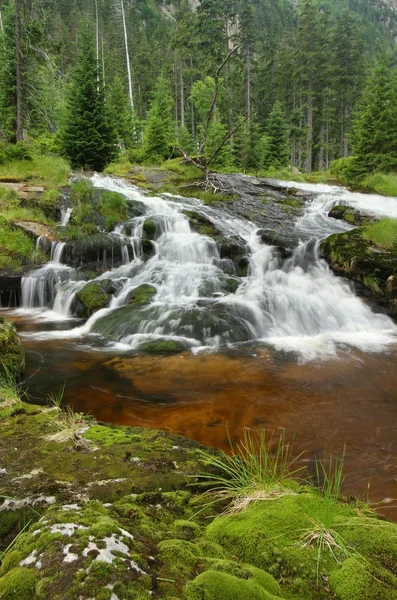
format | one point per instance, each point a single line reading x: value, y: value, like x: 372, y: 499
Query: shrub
x: 136, y: 156
x: 82, y: 192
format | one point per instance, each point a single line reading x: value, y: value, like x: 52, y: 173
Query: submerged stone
x: 162, y: 347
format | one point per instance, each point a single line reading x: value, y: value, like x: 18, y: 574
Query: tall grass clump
x: 324, y: 511
x: 253, y: 471
x: 10, y: 390
x: 382, y: 233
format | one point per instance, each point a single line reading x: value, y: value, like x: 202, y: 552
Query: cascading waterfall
x: 65, y: 216
x: 295, y: 304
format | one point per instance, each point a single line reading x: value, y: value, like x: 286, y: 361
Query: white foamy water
x: 294, y: 305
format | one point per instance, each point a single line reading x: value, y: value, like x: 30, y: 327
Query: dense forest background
x: 289, y: 93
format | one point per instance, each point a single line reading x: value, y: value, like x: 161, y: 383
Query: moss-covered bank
x: 368, y: 255
x: 12, y: 355
x: 122, y: 516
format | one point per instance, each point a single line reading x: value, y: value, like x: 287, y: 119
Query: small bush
x: 346, y: 170
x: 82, y: 192
x: 113, y: 207
x: 137, y: 156
x: 19, y: 151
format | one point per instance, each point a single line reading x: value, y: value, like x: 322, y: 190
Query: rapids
x: 294, y: 305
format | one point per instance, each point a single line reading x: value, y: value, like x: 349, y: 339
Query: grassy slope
x: 49, y: 172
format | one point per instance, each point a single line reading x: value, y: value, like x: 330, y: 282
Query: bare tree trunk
x: 345, y: 140
x: 1, y: 25
x: 191, y: 101
x: 127, y: 54
x: 176, y: 96
x: 19, y: 124
x: 309, y: 136
x: 97, y: 44
x: 103, y: 66
x: 182, y: 90
x: 249, y: 85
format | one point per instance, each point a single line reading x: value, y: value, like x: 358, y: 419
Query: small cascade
x: 65, y: 216
x: 57, y: 249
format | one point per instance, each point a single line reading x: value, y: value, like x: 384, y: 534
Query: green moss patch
x: 11, y: 351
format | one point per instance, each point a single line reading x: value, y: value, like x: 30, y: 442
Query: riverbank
x: 122, y: 511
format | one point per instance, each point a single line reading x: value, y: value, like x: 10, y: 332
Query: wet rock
x: 101, y: 251
x: 271, y: 238
x: 349, y: 214
x: 148, y: 248
x: 10, y: 289
x: 201, y: 224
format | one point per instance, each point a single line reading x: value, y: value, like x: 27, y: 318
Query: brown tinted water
x: 349, y: 401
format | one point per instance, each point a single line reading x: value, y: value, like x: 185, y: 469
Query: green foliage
x: 375, y: 141
x: 113, y: 207
x: 88, y: 138
x: 16, y: 248
x: 82, y: 192
x: 273, y: 148
x: 382, y: 233
x: 159, y: 134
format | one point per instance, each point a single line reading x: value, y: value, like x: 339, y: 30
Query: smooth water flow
x: 203, y: 301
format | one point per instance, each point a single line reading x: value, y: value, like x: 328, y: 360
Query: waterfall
x: 296, y: 304
x: 65, y: 216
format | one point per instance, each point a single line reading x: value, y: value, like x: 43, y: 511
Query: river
x: 291, y: 347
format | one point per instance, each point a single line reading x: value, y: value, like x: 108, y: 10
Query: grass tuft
x: 253, y: 471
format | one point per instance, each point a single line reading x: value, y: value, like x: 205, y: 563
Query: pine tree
x: 121, y: 114
x: 88, y: 138
x: 376, y: 128
x: 247, y: 41
x: 274, y: 145
x: 159, y: 132
x: 211, y: 33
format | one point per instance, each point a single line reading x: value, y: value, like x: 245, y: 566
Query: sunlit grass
x: 382, y: 233
x: 47, y: 171
x: 382, y: 183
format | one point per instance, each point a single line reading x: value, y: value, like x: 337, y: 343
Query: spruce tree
x: 274, y: 145
x: 376, y: 128
x: 88, y: 138
x: 159, y: 133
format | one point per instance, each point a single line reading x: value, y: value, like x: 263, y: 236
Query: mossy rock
x: 150, y: 228
x: 162, y: 347
x: 202, y: 225
x: 11, y: 350
x: 356, y: 580
x: 142, y: 295
x: 214, y: 585
x: 93, y: 297
x: 352, y: 216
x: 269, y: 535
x: 352, y: 256
x: 18, y: 584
